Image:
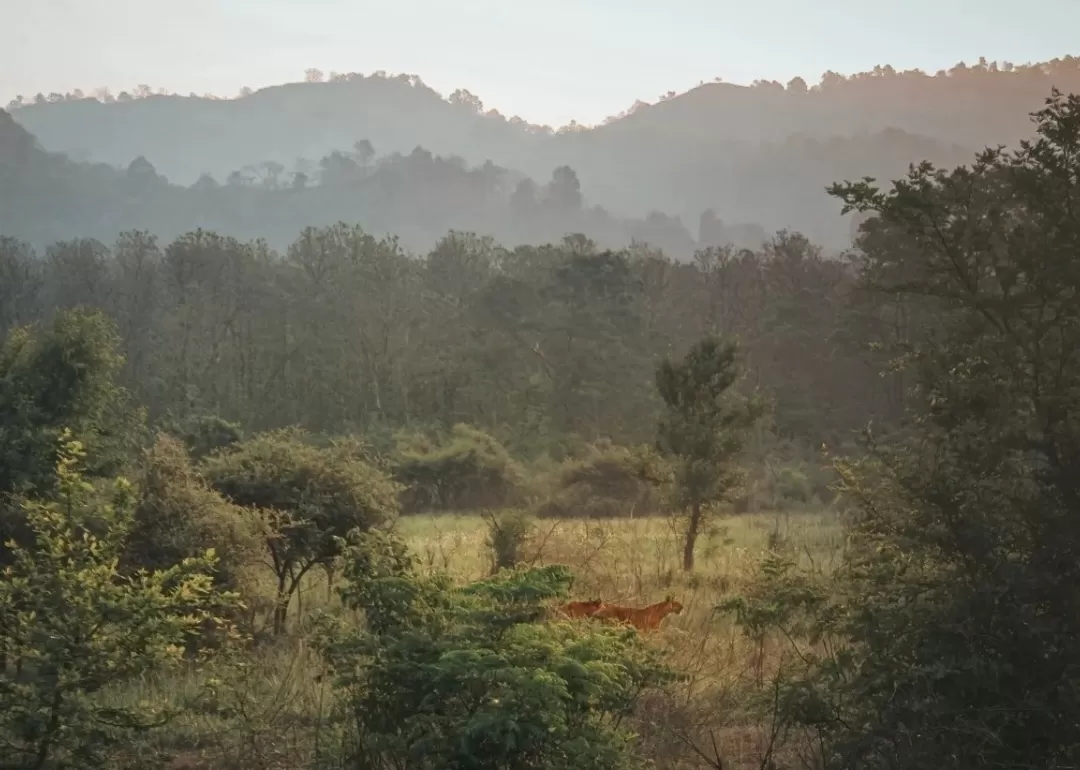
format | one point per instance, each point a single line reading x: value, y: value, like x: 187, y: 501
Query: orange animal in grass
x: 581, y: 609
x: 641, y: 618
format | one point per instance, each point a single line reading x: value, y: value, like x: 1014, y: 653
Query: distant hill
x: 417, y: 198
x: 760, y: 153
x: 38, y: 189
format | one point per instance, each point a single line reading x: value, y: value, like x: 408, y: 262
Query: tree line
x: 536, y: 344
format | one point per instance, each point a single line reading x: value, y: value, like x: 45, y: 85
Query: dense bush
x: 795, y: 484
x: 178, y: 516
x: 74, y: 626
x: 465, y: 678
x: 609, y: 480
x: 508, y: 537
x: 203, y: 434
x: 785, y: 474
x: 464, y: 470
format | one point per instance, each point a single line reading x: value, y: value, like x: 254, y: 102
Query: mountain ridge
x: 716, y: 146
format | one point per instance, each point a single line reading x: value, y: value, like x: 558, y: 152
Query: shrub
x: 508, y: 536
x: 610, y: 480
x: 79, y: 626
x: 784, y: 474
x: 178, y: 516
x: 204, y: 434
x: 468, y: 469
x: 467, y: 678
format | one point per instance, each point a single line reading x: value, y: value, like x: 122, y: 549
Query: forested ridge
x: 415, y: 197
x: 757, y: 154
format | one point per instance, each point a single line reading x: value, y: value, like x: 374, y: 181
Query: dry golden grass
x: 631, y: 561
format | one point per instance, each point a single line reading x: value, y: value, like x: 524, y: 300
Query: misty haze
x: 569, y: 386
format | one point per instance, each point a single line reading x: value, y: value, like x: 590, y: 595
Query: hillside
x: 759, y: 154
x: 186, y: 136
x: 46, y: 197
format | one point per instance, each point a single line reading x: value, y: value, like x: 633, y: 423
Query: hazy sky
x: 548, y: 61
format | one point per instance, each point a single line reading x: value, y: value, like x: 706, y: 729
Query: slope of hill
x: 45, y: 197
x: 185, y: 136
x: 758, y: 153
x: 38, y: 190
x: 765, y: 152
x: 977, y: 105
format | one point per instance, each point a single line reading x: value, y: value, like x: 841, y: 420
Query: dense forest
x: 344, y: 331
x: 534, y: 486
x: 758, y: 154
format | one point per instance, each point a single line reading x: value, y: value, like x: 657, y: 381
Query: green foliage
x: 53, y: 380
x: 969, y: 522
x: 204, y: 434
x: 779, y: 596
x: 783, y: 474
x: 798, y: 604
x: 62, y: 378
x: 704, y: 427
x: 956, y: 608
x: 792, y: 484
x: 610, y: 480
x: 465, y: 678
x: 379, y: 578
x: 508, y: 536
x: 544, y: 347
x: 524, y: 586
x: 466, y: 470
x: 311, y: 498
x: 798, y: 484
x: 75, y: 625
x: 178, y: 516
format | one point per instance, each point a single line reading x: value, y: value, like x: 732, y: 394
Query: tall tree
x: 20, y: 284
x: 703, y: 428
x: 69, y: 615
x: 56, y: 379
x: 959, y: 601
x: 311, y: 497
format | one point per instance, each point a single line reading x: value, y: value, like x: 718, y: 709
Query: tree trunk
x: 45, y: 743
x: 281, y: 606
x: 330, y: 570
x: 693, y: 526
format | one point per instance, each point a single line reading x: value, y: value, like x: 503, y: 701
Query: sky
x: 549, y: 62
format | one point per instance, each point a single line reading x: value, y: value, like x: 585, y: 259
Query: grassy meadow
x: 633, y: 561
x: 272, y: 704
